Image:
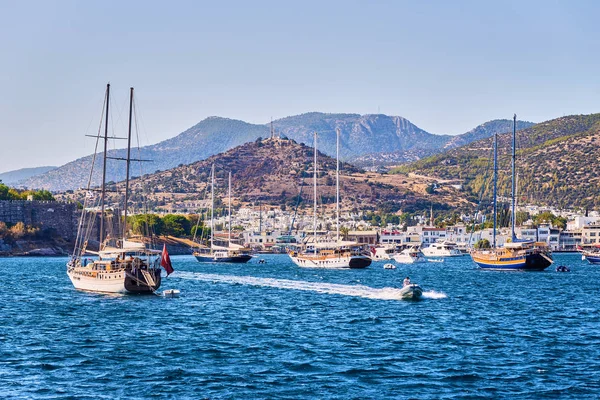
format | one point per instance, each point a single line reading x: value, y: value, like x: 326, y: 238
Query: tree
x: 483, y: 244
x: 4, y: 192
x: 176, y: 225
x: 18, y: 230
x: 344, y: 232
x: 143, y: 224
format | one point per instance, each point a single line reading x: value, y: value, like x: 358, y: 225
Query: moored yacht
x: 442, y: 249
x: 411, y: 255
x: 591, y: 255
x: 517, y: 255
x: 330, y: 253
x: 233, y: 253
x: 383, y: 252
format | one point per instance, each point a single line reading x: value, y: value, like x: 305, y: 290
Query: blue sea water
x: 274, y: 330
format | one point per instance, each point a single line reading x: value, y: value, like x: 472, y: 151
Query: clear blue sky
x: 445, y: 65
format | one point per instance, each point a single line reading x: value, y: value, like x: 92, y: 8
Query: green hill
x: 556, y: 163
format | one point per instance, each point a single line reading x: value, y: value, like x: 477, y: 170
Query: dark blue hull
x: 243, y: 258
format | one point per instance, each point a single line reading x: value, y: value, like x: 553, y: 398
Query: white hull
x: 113, y: 282
x: 331, y: 262
x: 441, y: 250
x: 406, y: 259
x: 338, y: 262
x: 383, y: 253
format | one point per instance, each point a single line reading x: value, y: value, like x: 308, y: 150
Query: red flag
x: 373, y: 250
x: 165, y: 260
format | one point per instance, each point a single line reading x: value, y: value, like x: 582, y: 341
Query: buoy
x: 171, y: 293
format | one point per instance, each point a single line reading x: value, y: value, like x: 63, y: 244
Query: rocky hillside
x: 360, y: 135
x: 420, y: 151
x: 556, y: 162
x: 275, y: 172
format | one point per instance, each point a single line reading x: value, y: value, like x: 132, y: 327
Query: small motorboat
x: 563, y: 268
x: 438, y: 260
x: 262, y: 261
x: 389, y: 266
x: 411, y: 291
x: 171, y: 293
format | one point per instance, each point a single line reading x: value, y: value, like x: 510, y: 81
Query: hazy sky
x: 447, y: 66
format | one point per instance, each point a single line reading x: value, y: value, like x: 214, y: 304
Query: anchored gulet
x: 120, y: 265
x: 328, y: 253
x: 233, y: 253
x: 516, y: 255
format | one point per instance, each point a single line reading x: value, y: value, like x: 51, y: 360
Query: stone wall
x: 58, y: 216
x: 61, y: 217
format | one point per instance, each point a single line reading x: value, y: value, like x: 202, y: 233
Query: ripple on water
x: 277, y: 331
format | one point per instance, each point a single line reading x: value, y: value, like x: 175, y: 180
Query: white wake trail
x: 386, y: 293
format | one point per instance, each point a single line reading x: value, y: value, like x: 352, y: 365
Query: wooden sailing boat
x: 328, y: 253
x: 232, y: 253
x: 517, y: 255
x: 120, y: 265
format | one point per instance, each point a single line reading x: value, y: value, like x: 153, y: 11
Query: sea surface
x: 274, y: 330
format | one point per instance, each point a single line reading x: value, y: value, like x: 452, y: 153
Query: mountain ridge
x: 14, y: 176
x: 360, y: 134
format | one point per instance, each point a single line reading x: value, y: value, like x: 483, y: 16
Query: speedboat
x: 411, y: 291
x: 410, y: 256
x: 389, y: 266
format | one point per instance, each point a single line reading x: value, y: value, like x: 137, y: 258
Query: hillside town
x: 269, y: 229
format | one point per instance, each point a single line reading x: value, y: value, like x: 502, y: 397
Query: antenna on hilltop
x: 272, y: 131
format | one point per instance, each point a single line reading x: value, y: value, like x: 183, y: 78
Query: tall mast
x: 102, y: 198
x: 337, y: 182
x: 495, y: 182
x: 260, y: 218
x: 315, y: 196
x: 229, y: 209
x: 513, y: 193
x: 212, y: 207
x: 128, y: 163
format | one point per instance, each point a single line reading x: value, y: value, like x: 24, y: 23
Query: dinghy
x: 171, y: 293
x: 389, y: 266
x: 411, y: 292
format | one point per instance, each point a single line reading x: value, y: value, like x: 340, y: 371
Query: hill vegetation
x: 556, y: 163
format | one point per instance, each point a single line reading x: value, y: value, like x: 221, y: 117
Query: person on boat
x: 406, y: 281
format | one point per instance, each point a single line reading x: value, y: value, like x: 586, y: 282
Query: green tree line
x: 8, y: 193
x: 170, y: 224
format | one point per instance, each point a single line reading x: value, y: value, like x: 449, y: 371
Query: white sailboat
x: 233, y: 253
x: 120, y: 265
x: 329, y: 253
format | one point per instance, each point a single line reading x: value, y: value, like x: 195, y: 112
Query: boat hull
x: 411, y: 292
x: 115, y: 282
x: 592, y: 258
x: 241, y: 259
x: 529, y: 262
x: 428, y: 252
x: 344, y: 262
